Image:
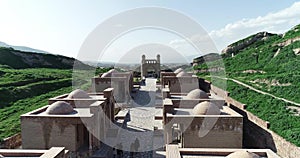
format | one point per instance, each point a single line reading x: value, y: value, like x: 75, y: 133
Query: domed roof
x: 113, y: 71
x: 78, y: 93
x: 60, y: 108
x: 109, y: 73
x: 106, y: 74
x: 182, y: 74
x: 206, y: 108
x: 242, y: 154
x: 197, y: 94
x: 178, y: 70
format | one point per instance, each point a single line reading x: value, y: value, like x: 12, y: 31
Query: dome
x: 242, y: 154
x: 60, y: 108
x: 197, y: 94
x: 178, y: 70
x: 112, y: 71
x: 206, y: 108
x: 182, y: 74
x: 106, y: 74
x: 78, y: 93
x: 109, y: 73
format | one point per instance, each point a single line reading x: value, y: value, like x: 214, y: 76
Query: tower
x: 150, y: 64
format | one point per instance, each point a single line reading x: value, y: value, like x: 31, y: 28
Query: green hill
x: 270, y: 63
x: 23, y: 90
x: 19, y: 59
x: 28, y: 80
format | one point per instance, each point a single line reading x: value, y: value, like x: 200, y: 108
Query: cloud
x: 196, y: 45
x: 277, y: 22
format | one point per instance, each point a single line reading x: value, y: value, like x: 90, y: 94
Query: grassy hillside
x: 19, y: 60
x: 28, y: 80
x: 282, y: 120
x: 10, y: 115
x: 23, y: 90
x: 270, y: 64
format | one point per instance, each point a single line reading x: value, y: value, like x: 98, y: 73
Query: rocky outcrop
x: 240, y: 45
x: 206, y: 58
x: 288, y: 42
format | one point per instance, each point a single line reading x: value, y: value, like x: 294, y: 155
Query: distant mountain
x: 99, y: 64
x: 20, y: 59
x: 23, y: 48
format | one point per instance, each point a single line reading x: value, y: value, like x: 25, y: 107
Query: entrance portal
x: 150, y: 67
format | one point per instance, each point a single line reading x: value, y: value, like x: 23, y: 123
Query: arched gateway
x: 150, y: 67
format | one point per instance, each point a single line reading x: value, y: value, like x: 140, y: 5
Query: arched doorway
x: 150, y: 67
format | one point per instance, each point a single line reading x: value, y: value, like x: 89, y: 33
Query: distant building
x: 150, y: 67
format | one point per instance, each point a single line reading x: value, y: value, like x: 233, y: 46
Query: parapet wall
x: 225, y: 130
x: 11, y: 142
x: 257, y: 133
x: 181, y: 84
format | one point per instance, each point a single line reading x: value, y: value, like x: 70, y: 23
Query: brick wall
x: 11, y: 142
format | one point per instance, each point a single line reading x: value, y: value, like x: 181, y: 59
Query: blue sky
x: 61, y: 26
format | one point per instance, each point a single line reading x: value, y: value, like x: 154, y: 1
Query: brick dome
x: 106, y: 74
x: 177, y: 71
x: 112, y: 71
x: 242, y: 154
x: 78, y: 93
x: 60, y: 108
x: 206, y: 108
x: 109, y: 73
x: 197, y: 94
x: 182, y: 74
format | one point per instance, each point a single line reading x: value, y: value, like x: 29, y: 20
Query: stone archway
x: 150, y: 67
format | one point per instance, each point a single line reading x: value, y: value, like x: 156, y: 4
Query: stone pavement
x: 138, y: 133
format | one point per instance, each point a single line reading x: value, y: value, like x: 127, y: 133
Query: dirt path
x: 262, y: 92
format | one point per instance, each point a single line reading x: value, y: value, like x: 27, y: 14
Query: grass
x: 23, y: 90
x: 10, y: 116
x: 26, y: 83
x: 284, y: 68
x: 282, y: 120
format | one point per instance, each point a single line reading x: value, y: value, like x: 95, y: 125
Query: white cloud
x: 196, y: 45
x: 277, y: 22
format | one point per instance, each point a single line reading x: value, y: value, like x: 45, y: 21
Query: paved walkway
x: 138, y: 132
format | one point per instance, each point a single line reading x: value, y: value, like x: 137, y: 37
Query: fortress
x: 180, y: 116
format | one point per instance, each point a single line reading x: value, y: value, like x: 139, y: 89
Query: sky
x: 62, y: 26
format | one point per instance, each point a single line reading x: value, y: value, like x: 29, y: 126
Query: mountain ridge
x: 273, y: 53
x: 23, y: 48
x: 20, y: 59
